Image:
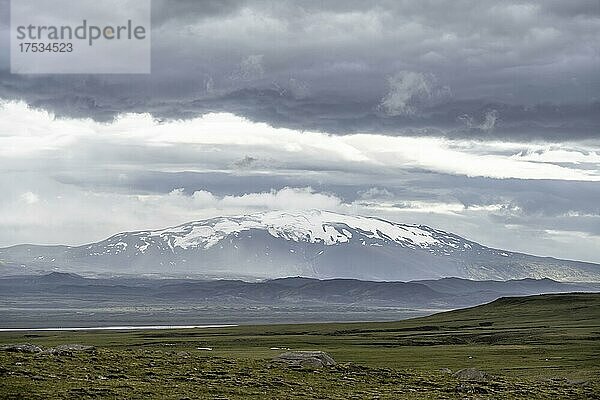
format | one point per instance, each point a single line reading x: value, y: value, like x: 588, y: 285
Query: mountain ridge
x: 318, y: 244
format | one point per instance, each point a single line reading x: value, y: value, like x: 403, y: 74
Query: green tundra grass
x: 531, y: 347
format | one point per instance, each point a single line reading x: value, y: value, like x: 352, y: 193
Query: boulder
x: 305, y: 359
x: 69, y: 349
x: 21, y: 348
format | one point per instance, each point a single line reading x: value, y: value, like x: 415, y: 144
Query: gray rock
x: 68, y: 349
x: 21, y: 348
x: 305, y: 359
x: 446, y: 370
x: 471, y: 374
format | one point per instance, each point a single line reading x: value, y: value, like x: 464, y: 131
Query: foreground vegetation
x: 535, y: 347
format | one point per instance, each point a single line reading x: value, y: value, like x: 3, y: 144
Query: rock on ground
x: 61, y: 350
x: 66, y: 349
x: 21, y: 348
x: 305, y: 359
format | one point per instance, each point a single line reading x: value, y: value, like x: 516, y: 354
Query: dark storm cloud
x: 400, y: 67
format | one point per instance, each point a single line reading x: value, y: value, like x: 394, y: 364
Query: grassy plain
x: 544, y: 346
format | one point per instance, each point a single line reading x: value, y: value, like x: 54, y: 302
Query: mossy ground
x: 541, y: 347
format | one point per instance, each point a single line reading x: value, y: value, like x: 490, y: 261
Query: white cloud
x: 73, y: 216
x: 30, y: 198
x: 287, y: 198
x: 558, y: 154
x: 220, y: 139
x: 461, y: 158
x: 432, y: 207
x: 284, y: 199
x: 24, y: 130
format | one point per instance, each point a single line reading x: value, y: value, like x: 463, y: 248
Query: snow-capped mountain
x: 314, y: 243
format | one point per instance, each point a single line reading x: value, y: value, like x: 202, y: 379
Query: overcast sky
x: 478, y: 117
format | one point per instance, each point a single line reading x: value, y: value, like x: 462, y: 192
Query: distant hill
x: 443, y: 293
x: 574, y: 309
x: 513, y: 287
